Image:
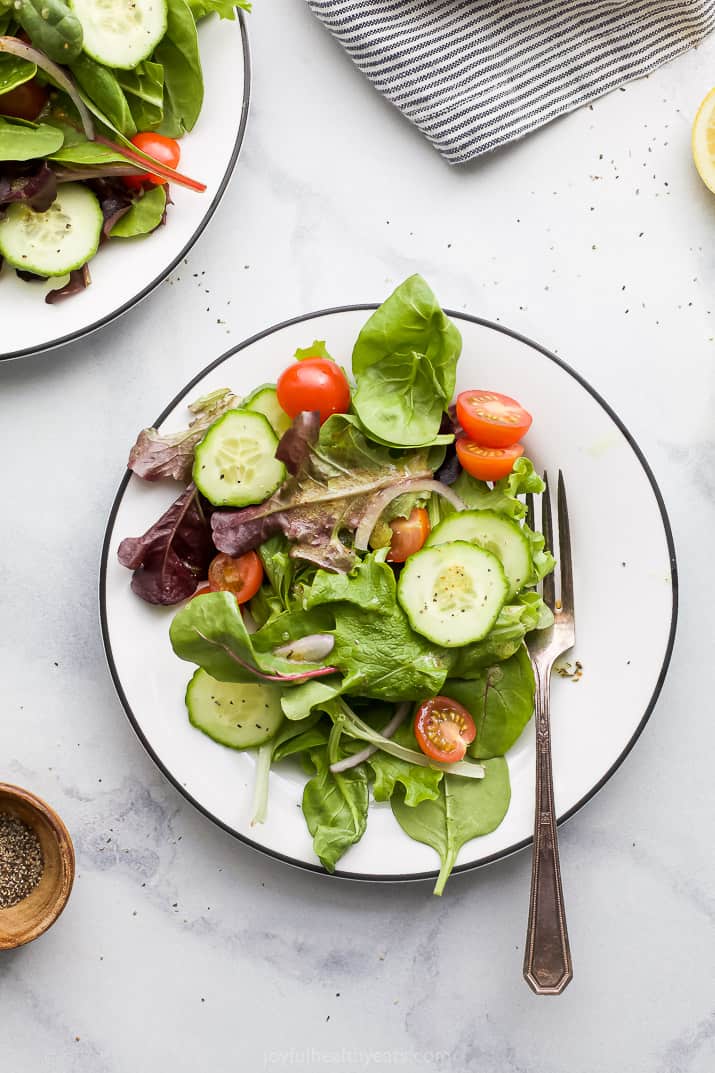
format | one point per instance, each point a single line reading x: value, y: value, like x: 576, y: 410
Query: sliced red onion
x: 15, y: 47
x: 387, y: 731
x: 311, y: 649
x: 380, y: 500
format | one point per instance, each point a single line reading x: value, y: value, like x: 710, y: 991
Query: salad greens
x: 85, y: 102
x: 325, y: 622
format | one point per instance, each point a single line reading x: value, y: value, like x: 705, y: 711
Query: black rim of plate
x: 90, y: 329
x: 412, y: 876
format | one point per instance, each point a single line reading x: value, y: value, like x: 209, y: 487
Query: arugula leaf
x: 404, y: 363
x: 327, y: 497
x: 145, y: 215
x: 464, y: 809
x: 334, y: 806
x: 419, y: 783
x: 27, y: 141
x: 156, y: 455
x: 178, y: 53
x: 501, y: 701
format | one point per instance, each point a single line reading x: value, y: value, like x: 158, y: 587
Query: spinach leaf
x: 501, y: 702
x: 303, y: 700
x: 83, y: 153
x: 464, y: 809
x: 178, y: 53
x: 14, y: 72
x: 144, y: 90
x: 404, y: 363
x: 52, y: 26
x: 419, y: 783
x: 144, y: 216
x: 101, y: 91
x: 291, y: 736
x: 334, y: 806
x: 27, y: 141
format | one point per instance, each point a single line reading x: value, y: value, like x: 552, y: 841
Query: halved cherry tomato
x: 487, y: 463
x: 408, y: 535
x: 444, y: 729
x: 25, y: 101
x: 241, y: 576
x: 314, y: 384
x: 165, y: 150
x: 492, y: 419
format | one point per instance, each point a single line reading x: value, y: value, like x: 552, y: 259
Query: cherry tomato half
x: 314, y: 384
x: 25, y: 101
x: 444, y: 729
x: 408, y: 535
x: 487, y: 463
x: 165, y: 150
x: 492, y: 419
x: 241, y: 576
x: 201, y: 591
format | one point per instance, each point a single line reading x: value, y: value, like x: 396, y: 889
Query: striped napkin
x: 475, y: 74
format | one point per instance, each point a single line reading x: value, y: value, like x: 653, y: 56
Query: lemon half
x: 704, y: 141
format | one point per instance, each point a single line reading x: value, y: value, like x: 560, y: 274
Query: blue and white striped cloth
x: 475, y: 74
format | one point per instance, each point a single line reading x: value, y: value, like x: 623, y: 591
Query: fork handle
x: 547, y: 960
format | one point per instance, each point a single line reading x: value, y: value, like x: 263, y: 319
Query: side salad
x: 357, y: 579
x: 94, y: 97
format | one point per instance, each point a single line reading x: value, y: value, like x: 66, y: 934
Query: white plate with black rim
x: 596, y: 718
x: 125, y: 271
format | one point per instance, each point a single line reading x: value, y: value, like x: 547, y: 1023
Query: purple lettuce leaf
x: 295, y: 444
x: 79, y: 280
x: 325, y: 500
x: 173, y: 556
x: 450, y: 468
x: 158, y: 455
x: 35, y: 184
x: 115, y: 200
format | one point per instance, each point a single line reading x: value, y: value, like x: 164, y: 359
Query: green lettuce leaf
x: 527, y: 612
x: 223, y: 8
x: 419, y: 783
x: 404, y: 363
x: 317, y: 350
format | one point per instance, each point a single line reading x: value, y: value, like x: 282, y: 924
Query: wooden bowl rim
x: 9, y: 791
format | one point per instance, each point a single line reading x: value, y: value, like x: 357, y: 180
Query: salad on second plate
x: 94, y: 97
x: 357, y: 578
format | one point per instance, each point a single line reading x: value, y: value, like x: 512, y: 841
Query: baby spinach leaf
x: 52, y: 26
x: 299, y: 702
x: 101, y: 89
x: 86, y: 154
x: 300, y: 737
x: 501, y: 702
x: 178, y: 53
x: 144, y: 216
x: 334, y: 806
x: 419, y: 783
x: 464, y: 809
x: 404, y: 363
x: 14, y: 72
x: 28, y: 141
x: 144, y: 90
x: 224, y: 8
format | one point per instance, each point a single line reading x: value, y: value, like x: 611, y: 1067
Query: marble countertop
x: 183, y: 951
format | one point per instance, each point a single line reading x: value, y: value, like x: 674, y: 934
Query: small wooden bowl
x: 23, y: 922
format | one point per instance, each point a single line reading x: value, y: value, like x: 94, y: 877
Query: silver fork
x: 547, y: 958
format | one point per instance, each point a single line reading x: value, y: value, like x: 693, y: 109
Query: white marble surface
x: 181, y: 950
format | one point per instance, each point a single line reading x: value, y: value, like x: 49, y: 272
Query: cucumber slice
x: 121, y: 33
x: 264, y: 400
x: 452, y: 593
x: 54, y: 242
x: 496, y: 533
x: 236, y: 714
x: 235, y: 463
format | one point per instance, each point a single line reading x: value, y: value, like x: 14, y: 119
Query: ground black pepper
x: 21, y: 861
